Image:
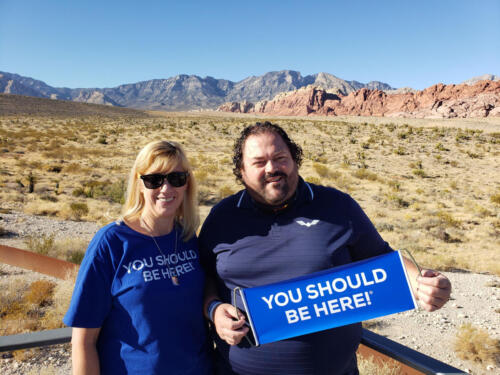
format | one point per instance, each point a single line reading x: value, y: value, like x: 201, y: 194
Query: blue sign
x: 343, y: 295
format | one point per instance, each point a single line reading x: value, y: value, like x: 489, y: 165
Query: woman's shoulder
x: 111, y: 229
x: 109, y: 235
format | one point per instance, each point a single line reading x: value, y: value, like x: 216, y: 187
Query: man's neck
x: 275, y: 208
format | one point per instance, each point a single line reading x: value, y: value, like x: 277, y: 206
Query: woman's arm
x: 84, y: 351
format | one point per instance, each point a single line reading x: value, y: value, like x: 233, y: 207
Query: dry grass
x: 69, y: 249
x: 418, y: 180
x: 35, y: 306
x: 370, y: 366
x: 24, y: 309
x: 474, y: 344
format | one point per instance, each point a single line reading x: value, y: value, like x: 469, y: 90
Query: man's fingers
x: 233, y: 337
x: 433, y: 291
x: 437, y: 280
x: 233, y: 312
x: 229, y: 327
x: 430, y: 303
x: 428, y: 273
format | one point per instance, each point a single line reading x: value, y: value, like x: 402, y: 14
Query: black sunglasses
x: 154, y: 181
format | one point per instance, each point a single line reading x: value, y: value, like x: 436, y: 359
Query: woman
x: 137, y: 303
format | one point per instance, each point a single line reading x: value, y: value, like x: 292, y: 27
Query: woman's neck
x: 156, y: 226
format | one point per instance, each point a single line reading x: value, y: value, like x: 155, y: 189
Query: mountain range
x: 190, y: 92
x: 185, y: 92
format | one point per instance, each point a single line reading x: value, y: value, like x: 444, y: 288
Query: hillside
x: 481, y: 99
x: 14, y: 105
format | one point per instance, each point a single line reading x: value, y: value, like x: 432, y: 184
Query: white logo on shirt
x: 311, y: 223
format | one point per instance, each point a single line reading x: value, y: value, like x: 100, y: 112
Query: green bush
x: 365, y: 174
x: 75, y: 256
x: 79, y: 209
x: 112, y: 191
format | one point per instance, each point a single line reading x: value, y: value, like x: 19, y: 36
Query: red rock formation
x: 443, y: 101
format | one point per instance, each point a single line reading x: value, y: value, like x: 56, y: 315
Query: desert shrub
x: 75, y: 256
x: 461, y: 137
x: 43, y: 244
x: 473, y: 155
x: 419, y: 172
x: 54, y: 168
x: 321, y: 159
x: 212, y: 168
x: 440, y: 147
x: 370, y: 366
x: 40, y: 293
x: 403, y: 135
x: 482, y: 211
x: 79, y: 209
x: 22, y: 305
x: 102, y: 140
x: 381, y: 227
x: 474, y: 344
x: 448, y: 219
x: 365, y: 174
x: 116, y: 192
x: 321, y: 169
x: 395, y: 185
x: 11, y: 300
x: 48, y: 197
x: 206, y: 196
x: 111, y: 191
x: 225, y: 191
x: 400, y: 151
x: 443, y: 235
x: 396, y: 200
x: 201, y: 175
x: 3, y: 231
x: 495, y: 198
x: 72, y: 168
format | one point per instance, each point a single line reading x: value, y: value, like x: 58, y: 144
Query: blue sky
x: 87, y: 43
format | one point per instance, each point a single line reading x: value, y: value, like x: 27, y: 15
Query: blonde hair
x: 162, y: 156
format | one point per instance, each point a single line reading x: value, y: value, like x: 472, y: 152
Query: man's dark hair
x: 260, y: 128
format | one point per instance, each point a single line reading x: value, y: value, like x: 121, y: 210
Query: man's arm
x: 431, y: 288
x: 229, y: 323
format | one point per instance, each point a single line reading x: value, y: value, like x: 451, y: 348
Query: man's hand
x: 228, y: 326
x: 433, y: 290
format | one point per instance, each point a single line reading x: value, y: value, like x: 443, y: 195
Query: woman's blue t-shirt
x: 148, y: 324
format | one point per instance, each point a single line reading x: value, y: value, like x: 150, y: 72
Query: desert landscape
x: 431, y: 186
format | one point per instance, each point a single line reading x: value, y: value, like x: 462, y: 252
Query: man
x: 277, y: 228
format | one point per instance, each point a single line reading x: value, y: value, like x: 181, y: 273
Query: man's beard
x: 272, y: 199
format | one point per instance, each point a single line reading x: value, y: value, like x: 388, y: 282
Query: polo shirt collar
x: 304, y: 194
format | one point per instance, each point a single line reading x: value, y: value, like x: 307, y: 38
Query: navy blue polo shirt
x: 246, y: 246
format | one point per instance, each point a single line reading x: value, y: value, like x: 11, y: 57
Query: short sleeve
x: 91, y: 299
x: 205, y: 244
x: 366, y: 242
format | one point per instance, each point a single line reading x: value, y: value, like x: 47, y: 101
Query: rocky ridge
x: 481, y: 99
x: 184, y: 92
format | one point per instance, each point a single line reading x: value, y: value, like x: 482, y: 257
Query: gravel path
x: 475, y: 300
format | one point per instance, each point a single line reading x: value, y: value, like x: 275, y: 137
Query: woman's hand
x: 229, y: 323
